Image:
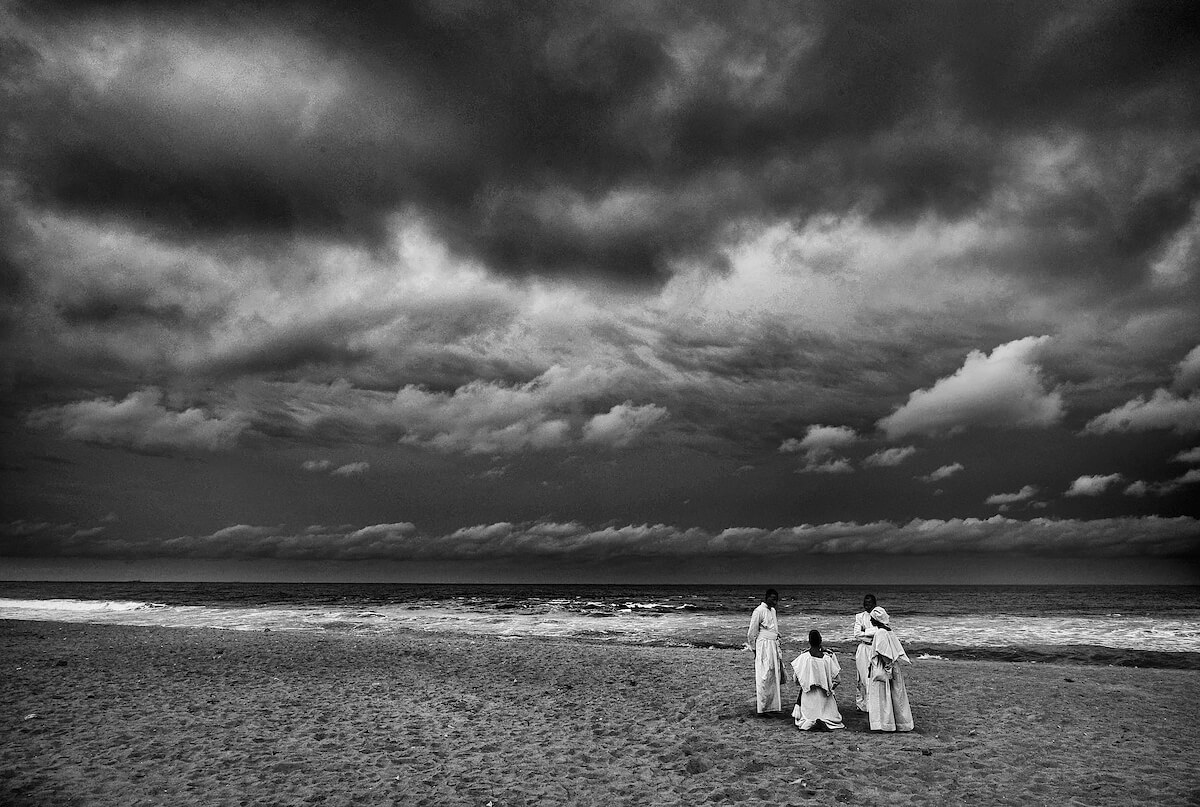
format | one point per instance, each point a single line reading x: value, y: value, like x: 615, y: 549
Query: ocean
x: 1147, y: 626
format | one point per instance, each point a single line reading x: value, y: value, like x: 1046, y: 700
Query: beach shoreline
x: 112, y: 714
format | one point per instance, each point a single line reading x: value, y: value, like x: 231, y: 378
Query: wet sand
x: 117, y: 715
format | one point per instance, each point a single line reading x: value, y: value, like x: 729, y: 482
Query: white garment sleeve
x: 755, y: 622
x: 864, y: 631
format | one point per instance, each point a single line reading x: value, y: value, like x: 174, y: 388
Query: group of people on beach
x: 880, y: 689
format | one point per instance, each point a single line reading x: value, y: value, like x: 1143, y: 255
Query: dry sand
x: 112, y: 715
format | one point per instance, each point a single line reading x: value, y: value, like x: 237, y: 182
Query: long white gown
x: 817, y: 678
x: 763, y: 636
x: 887, y: 701
x: 864, y: 634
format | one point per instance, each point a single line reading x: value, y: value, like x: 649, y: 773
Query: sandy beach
x: 117, y: 715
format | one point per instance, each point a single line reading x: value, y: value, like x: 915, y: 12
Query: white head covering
x: 885, y: 643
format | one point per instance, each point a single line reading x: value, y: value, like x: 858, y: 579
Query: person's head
x: 814, y: 639
x: 880, y: 618
x: 771, y: 598
x: 868, y: 602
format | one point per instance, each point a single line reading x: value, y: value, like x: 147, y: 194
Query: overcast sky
x: 452, y: 290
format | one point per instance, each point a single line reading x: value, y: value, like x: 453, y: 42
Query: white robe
x: 864, y: 634
x: 887, y: 701
x: 817, y: 678
x: 763, y: 636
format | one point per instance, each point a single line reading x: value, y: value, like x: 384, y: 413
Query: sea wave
x: 77, y: 606
x: 1152, y: 641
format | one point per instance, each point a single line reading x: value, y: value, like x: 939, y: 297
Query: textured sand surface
x: 112, y: 715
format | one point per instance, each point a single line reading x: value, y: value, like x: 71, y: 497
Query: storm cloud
x: 597, y: 262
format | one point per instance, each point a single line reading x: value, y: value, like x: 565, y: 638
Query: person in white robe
x: 817, y: 673
x: 887, y: 697
x: 763, y: 639
x: 864, y: 634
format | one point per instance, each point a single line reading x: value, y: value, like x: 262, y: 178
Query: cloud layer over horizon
x: 1120, y: 537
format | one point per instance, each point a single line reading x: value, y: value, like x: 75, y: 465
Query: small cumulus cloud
x: 889, y: 457
x: 836, y: 465
x: 142, y: 421
x: 1163, y: 410
x: 1191, y: 455
x: 327, y: 466
x: 351, y: 469
x: 819, y: 445
x: 485, y: 418
x: 1142, y: 488
x: 1003, y: 389
x: 1172, y: 409
x: 526, y: 435
x: 1092, y: 485
x: 622, y: 424
x: 1023, y: 495
x: 944, y: 472
x: 1187, y: 372
x: 820, y: 438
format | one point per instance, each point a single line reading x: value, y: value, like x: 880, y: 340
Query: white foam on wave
x: 631, y: 626
x: 77, y: 605
x: 1128, y: 633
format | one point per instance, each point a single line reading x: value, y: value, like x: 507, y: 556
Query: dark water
x: 1153, y: 601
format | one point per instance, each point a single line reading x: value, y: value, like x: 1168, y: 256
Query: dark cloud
x: 659, y: 239
x: 532, y: 134
x: 102, y: 310
x: 283, y: 353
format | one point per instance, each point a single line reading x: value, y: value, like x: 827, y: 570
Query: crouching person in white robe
x: 817, y: 673
x: 763, y: 639
x: 887, y: 697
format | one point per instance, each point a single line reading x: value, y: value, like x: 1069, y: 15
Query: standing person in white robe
x: 763, y: 639
x: 887, y: 697
x: 864, y: 634
x: 817, y: 675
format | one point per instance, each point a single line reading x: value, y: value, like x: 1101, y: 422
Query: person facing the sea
x: 763, y: 639
x: 816, y: 672
x: 864, y: 633
x: 887, y: 697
